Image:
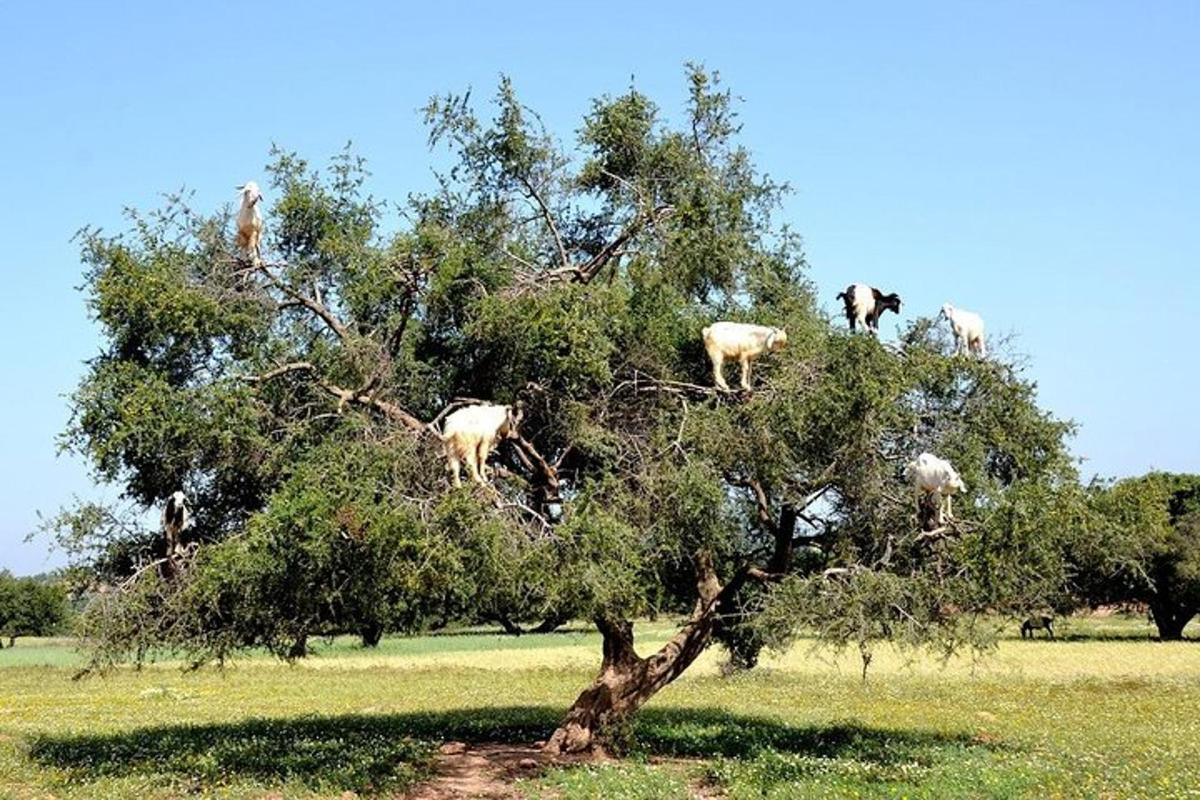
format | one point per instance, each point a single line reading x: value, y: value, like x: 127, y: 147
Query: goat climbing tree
x: 295, y: 400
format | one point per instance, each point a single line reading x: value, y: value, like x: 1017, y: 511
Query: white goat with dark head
x: 469, y: 435
x: 934, y: 478
x: 968, y: 330
x: 250, y: 221
x: 866, y: 304
x: 175, y: 520
x: 738, y: 340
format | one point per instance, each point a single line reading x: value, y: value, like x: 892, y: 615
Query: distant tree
x: 30, y: 607
x: 1144, y: 548
x: 294, y: 400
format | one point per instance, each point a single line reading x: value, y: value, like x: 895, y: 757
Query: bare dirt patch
x: 486, y: 770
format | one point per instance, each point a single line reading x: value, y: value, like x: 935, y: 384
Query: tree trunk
x: 626, y: 681
x: 371, y: 633
x: 299, y: 648
x: 510, y: 627
x: 1170, y: 620
x: 552, y: 623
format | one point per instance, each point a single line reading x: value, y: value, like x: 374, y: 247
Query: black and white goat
x: 175, y: 520
x: 866, y: 304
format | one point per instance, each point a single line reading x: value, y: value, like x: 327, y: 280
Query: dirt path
x: 489, y: 771
x: 485, y: 771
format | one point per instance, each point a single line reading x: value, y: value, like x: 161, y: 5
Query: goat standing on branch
x: 471, y: 433
x: 744, y: 342
x: 250, y: 222
x: 968, y: 331
x: 175, y: 520
x: 934, y: 479
x: 866, y: 304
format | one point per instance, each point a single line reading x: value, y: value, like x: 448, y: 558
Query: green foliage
x: 1143, y: 546
x: 290, y: 400
x: 31, y: 607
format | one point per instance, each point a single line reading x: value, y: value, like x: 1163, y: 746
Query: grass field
x: 1104, y: 712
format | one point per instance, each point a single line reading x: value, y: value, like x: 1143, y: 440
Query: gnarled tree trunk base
x: 626, y: 682
x: 1171, y: 620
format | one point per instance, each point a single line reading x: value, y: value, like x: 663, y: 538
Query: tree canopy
x: 31, y: 607
x: 295, y: 400
x: 1143, y: 548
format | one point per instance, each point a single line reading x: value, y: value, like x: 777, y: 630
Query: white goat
x: 470, y: 433
x: 175, y: 520
x: 738, y: 340
x: 250, y: 221
x: 936, y: 477
x: 968, y: 330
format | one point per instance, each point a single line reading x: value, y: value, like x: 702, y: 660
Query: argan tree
x: 1143, y: 547
x: 35, y: 606
x: 297, y: 399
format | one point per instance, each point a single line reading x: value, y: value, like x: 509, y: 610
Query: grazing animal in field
x: 471, y: 433
x: 250, y: 222
x: 1037, y: 622
x: 175, y: 520
x: 866, y: 304
x: 739, y: 340
x: 968, y: 331
x: 934, y: 479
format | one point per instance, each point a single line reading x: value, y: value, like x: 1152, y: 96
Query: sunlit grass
x: 1118, y: 717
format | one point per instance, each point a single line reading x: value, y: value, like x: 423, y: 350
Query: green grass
x: 1117, y: 716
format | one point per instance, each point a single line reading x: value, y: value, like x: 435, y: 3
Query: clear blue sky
x: 1034, y: 161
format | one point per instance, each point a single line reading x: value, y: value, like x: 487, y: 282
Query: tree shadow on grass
x: 368, y: 753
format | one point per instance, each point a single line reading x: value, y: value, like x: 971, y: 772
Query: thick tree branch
x: 596, y: 263
x: 390, y: 410
x: 781, y: 556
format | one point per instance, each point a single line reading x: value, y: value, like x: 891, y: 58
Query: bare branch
x: 762, y: 576
x: 295, y: 366
x: 536, y: 196
x: 764, y: 508
x: 312, y: 304
x: 388, y: 409
x: 596, y: 263
x: 345, y: 396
